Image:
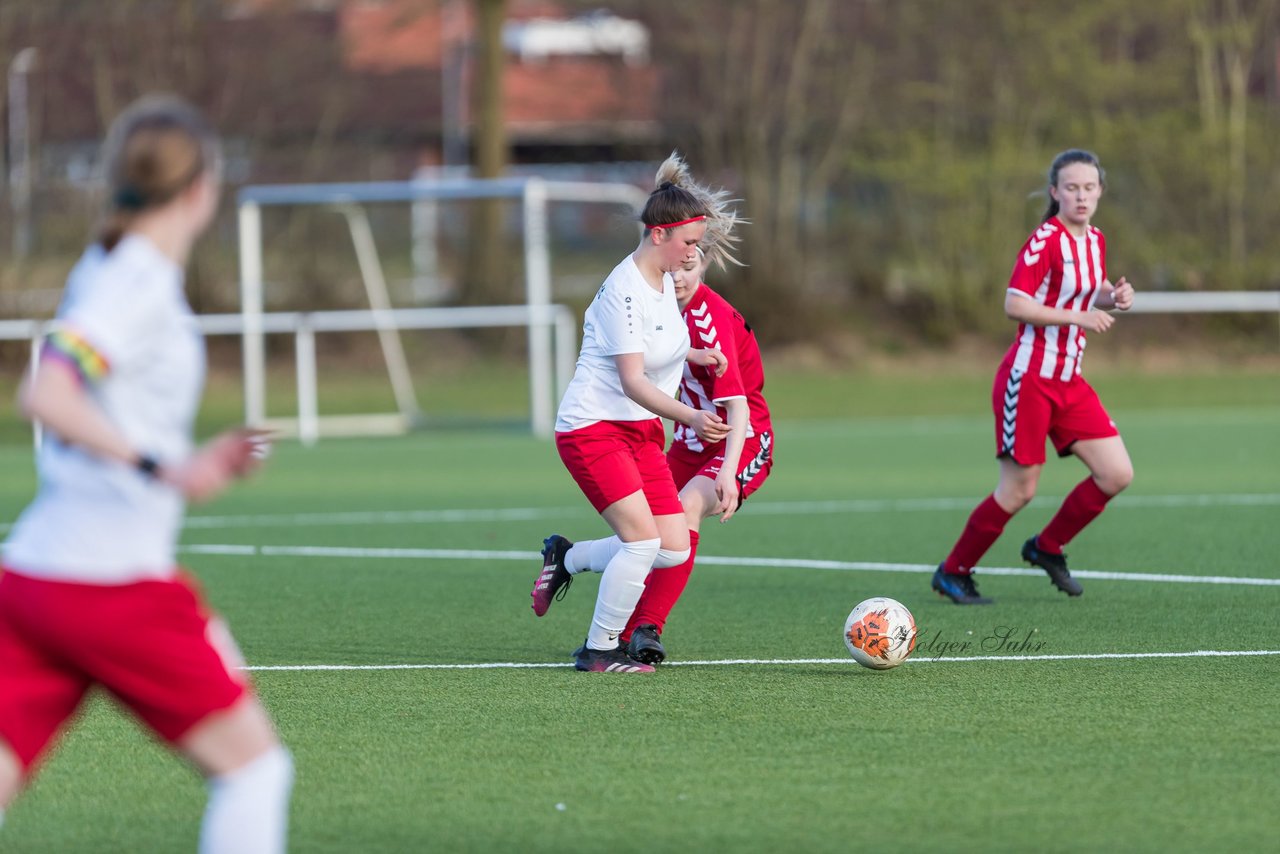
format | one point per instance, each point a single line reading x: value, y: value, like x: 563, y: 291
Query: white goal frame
x: 533, y: 193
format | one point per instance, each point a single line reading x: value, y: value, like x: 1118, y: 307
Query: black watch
x: 147, y: 464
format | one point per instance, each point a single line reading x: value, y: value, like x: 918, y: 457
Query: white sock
x: 591, y: 555
x: 248, y: 809
x: 667, y: 558
x: 620, y: 590
x: 594, y: 556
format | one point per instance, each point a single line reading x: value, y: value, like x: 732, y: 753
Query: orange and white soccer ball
x: 880, y: 633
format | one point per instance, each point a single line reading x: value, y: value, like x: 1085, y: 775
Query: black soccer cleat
x: 554, y: 580
x: 645, y: 646
x: 960, y: 589
x: 613, y: 660
x: 1055, y: 565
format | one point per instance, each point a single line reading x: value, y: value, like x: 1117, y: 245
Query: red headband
x: 681, y: 222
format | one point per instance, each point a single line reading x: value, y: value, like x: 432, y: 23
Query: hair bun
x: 673, y: 172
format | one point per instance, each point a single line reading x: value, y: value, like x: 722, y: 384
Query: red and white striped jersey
x: 713, y: 322
x: 1058, y: 269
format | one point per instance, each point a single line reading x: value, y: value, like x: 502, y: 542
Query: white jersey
x: 126, y: 326
x: 627, y: 316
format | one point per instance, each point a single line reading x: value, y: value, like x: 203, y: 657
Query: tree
x: 1228, y: 37
x: 487, y: 267
x: 774, y: 97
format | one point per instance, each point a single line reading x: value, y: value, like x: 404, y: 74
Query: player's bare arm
x: 708, y: 358
x: 738, y: 413
x: 1023, y: 309
x: 56, y: 397
x: 636, y: 386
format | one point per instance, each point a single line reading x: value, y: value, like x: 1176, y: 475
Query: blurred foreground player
x: 91, y: 594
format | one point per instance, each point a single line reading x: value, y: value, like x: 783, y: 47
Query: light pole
x: 453, y: 104
x: 20, y: 150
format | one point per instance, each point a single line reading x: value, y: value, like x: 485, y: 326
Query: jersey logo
x: 757, y: 463
x: 1032, y: 255
x: 1035, y: 246
x: 1009, y: 423
x: 702, y: 319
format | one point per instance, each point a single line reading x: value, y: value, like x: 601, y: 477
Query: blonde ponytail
x: 720, y: 240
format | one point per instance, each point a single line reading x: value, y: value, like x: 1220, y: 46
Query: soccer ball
x: 880, y: 633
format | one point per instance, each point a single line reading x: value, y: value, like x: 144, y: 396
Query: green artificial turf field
x: 417, y: 554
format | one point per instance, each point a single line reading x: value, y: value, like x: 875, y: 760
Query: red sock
x: 1079, y: 508
x: 662, y: 590
x: 984, y: 527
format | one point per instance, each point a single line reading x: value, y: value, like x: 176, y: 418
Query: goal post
x: 533, y: 193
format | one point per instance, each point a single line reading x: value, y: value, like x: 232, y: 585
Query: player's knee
x: 693, y: 516
x: 674, y: 547
x: 248, y: 807
x: 668, y: 558
x: 1014, y: 496
x: 269, y: 772
x: 265, y: 780
x: 645, y: 550
x: 1116, y: 479
x: 695, y: 506
x: 8, y: 789
x: 10, y: 776
x: 698, y: 498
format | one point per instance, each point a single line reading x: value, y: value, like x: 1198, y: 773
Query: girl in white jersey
x: 1058, y: 285
x: 608, y: 430
x: 90, y: 593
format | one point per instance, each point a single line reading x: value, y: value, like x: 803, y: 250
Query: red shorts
x: 613, y: 459
x: 1030, y: 408
x: 753, y: 467
x: 152, y: 644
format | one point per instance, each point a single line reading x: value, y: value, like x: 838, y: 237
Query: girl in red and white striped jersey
x: 714, y: 478
x: 1059, y: 290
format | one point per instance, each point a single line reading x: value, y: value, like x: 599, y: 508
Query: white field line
x: 378, y: 517
x: 763, y: 508
x: 706, y: 560
x: 944, y: 659
x: 916, y: 505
